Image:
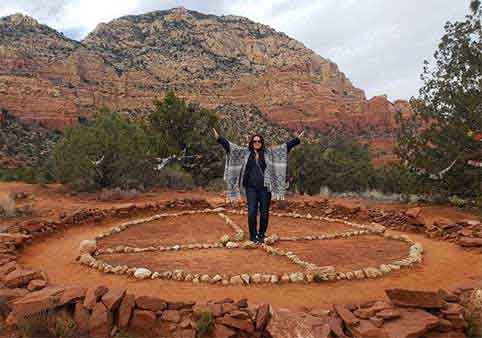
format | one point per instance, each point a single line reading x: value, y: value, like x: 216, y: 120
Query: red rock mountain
x: 213, y: 60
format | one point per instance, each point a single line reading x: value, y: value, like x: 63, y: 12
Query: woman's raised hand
x: 216, y: 135
x: 301, y: 134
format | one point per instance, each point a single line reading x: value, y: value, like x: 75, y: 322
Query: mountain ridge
x: 213, y: 60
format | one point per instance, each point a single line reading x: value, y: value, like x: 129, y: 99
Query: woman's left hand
x: 301, y: 134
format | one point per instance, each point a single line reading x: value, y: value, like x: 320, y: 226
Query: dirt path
x: 445, y: 264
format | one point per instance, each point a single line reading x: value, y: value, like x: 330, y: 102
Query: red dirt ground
x: 444, y: 264
x: 286, y: 226
x: 348, y: 254
x: 183, y: 229
x: 210, y: 261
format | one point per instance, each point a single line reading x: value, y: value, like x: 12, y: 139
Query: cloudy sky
x: 379, y: 44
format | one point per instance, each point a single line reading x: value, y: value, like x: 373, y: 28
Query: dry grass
x: 7, y: 205
x: 107, y: 195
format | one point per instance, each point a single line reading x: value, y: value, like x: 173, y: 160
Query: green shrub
x: 205, y: 324
x: 65, y: 326
x: 342, y: 166
x: 109, y: 151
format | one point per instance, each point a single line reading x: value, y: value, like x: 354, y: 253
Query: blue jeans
x: 258, y: 197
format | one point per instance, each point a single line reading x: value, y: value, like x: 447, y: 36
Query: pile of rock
x: 408, y: 314
x: 37, y: 227
x: 467, y: 233
x: 102, y: 312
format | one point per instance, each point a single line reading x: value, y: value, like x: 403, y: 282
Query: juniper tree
x: 448, y: 111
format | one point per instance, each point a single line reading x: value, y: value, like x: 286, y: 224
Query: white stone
x: 88, y: 246
x: 142, y: 273
x: 86, y: 259
x: 256, y: 278
x: 246, y: 278
x: 216, y: 278
x: 394, y: 267
x: 296, y: 277
x: 205, y: 278
x: 236, y: 280
x: 359, y: 274
x: 232, y: 245
x: 385, y: 269
x: 372, y: 272
x: 248, y: 245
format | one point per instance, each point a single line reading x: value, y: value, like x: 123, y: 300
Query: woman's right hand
x: 216, y: 135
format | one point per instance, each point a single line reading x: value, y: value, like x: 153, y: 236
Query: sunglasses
x: 257, y: 141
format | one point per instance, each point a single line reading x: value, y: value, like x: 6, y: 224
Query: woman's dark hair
x: 251, y: 141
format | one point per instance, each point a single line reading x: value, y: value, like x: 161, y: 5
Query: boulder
x: 142, y: 320
x: 415, y: 298
x: 36, y: 284
x: 413, y: 212
x: 242, y: 324
x: 451, y: 334
x: 10, y: 294
x: 151, y: 303
x: 443, y: 223
x: 72, y: 294
x: 468, y: 222
x: 470, y: 241
x: 7, y: 268
x: 171, y: 316
x: 187, y: 333
x: 20, y: 277
x: 336, y: 326
x: 346, y: 315
x: 263, y: 316
x: 388, y: 314
x: 222, y: 331
x: 112, y: 299
x: 100, y: 322
x: 125, y: 310
x: 46, y: 299
x: 365, y: 329
x: 93, y: 295
x: 412, y: 323
x: 377, y: 321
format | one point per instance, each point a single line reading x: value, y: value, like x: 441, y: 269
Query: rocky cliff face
x: 216, y: 61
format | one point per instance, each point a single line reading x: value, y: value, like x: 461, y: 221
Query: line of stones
x: 314, y: 272
x: 224, y: 242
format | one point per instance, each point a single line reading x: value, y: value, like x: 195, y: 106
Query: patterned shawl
x: 276, y: 159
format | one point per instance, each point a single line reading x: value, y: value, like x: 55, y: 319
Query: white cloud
x: 379, y: 44
x: 88, y: 13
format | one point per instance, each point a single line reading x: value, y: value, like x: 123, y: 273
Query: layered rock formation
x: 213, y: 60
